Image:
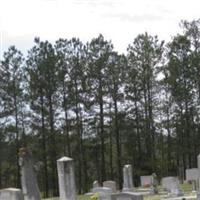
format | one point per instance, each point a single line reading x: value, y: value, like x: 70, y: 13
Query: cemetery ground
x: 187, y: 189
x: 150, y: 189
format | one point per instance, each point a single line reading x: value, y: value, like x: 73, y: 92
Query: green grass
x: 187, y: 188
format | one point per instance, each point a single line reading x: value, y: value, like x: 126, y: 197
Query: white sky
x: 118, y: 20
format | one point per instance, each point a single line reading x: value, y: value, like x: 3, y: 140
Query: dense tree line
x: 102, y: 108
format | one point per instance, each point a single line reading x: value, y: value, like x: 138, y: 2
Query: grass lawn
x: 187, y: 188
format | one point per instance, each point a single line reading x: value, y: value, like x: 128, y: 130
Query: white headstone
x: 150, y: 181
x: 111, y: 185
x: 127, y: 178
x: 66, y: 179
x: 29, y: 183
x: 146, y: 181
x: 192, y: 174
x: 11, y: 194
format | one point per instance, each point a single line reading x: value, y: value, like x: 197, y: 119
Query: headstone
x: 111, y: 185
x: 11, y: 194
x: 104, y: 192
x: 127, y: 196
x: 66, y: 179
x: 198, y: 183
x: 171, y: 184
x: 95, y: 184
x: 192, y: 175
x: 127, y: 179
x: 29, y: 183
x: 146, y: 181
x: 150, y: 181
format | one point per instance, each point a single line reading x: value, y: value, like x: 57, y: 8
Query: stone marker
x: 29, y: 183
x: 127, y: 196
x: 171, y: 184
x: 198, y: 183
x: 11, y: 194
x: 104, y: 192
x: 127, y: 179
x: 150, y: 181
x: 146, y: 181
x: 111, y: 185
x: 66, y: 179
x: 192, y: 175
x: 95, y: 184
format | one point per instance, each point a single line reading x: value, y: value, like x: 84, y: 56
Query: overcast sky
x: 118, y: 20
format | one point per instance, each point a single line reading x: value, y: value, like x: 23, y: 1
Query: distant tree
x: 98, y: 54
x: 143, y: 58
x: 42, y: 76
x: 179, y: 77
x: 115, y: 73
x: 12, y: 99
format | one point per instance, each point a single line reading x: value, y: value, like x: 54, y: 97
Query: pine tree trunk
x: 17, y: 138
x: 44, y: 149
x: 111, y: 145
x: 53, y: 150
x: 66, y: 130
x: 103, y: 170
x: 118, y: 143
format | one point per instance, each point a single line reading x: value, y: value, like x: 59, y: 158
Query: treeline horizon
x: 102, y: 108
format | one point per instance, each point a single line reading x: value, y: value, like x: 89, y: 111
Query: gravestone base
x: 104, y: 192
x: 175, y: 193
x: 127, y: 196
x: 128, y: 190
x: 11, y: 194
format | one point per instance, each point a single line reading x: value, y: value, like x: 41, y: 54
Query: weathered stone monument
x: 67, y: 189
x: 192, y: 175
x: 111, y: 185
x: 28, y: 176
x: 171, y: 184
x: 11, y: 194
x: 127, y: 179
x: 104, y: 192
